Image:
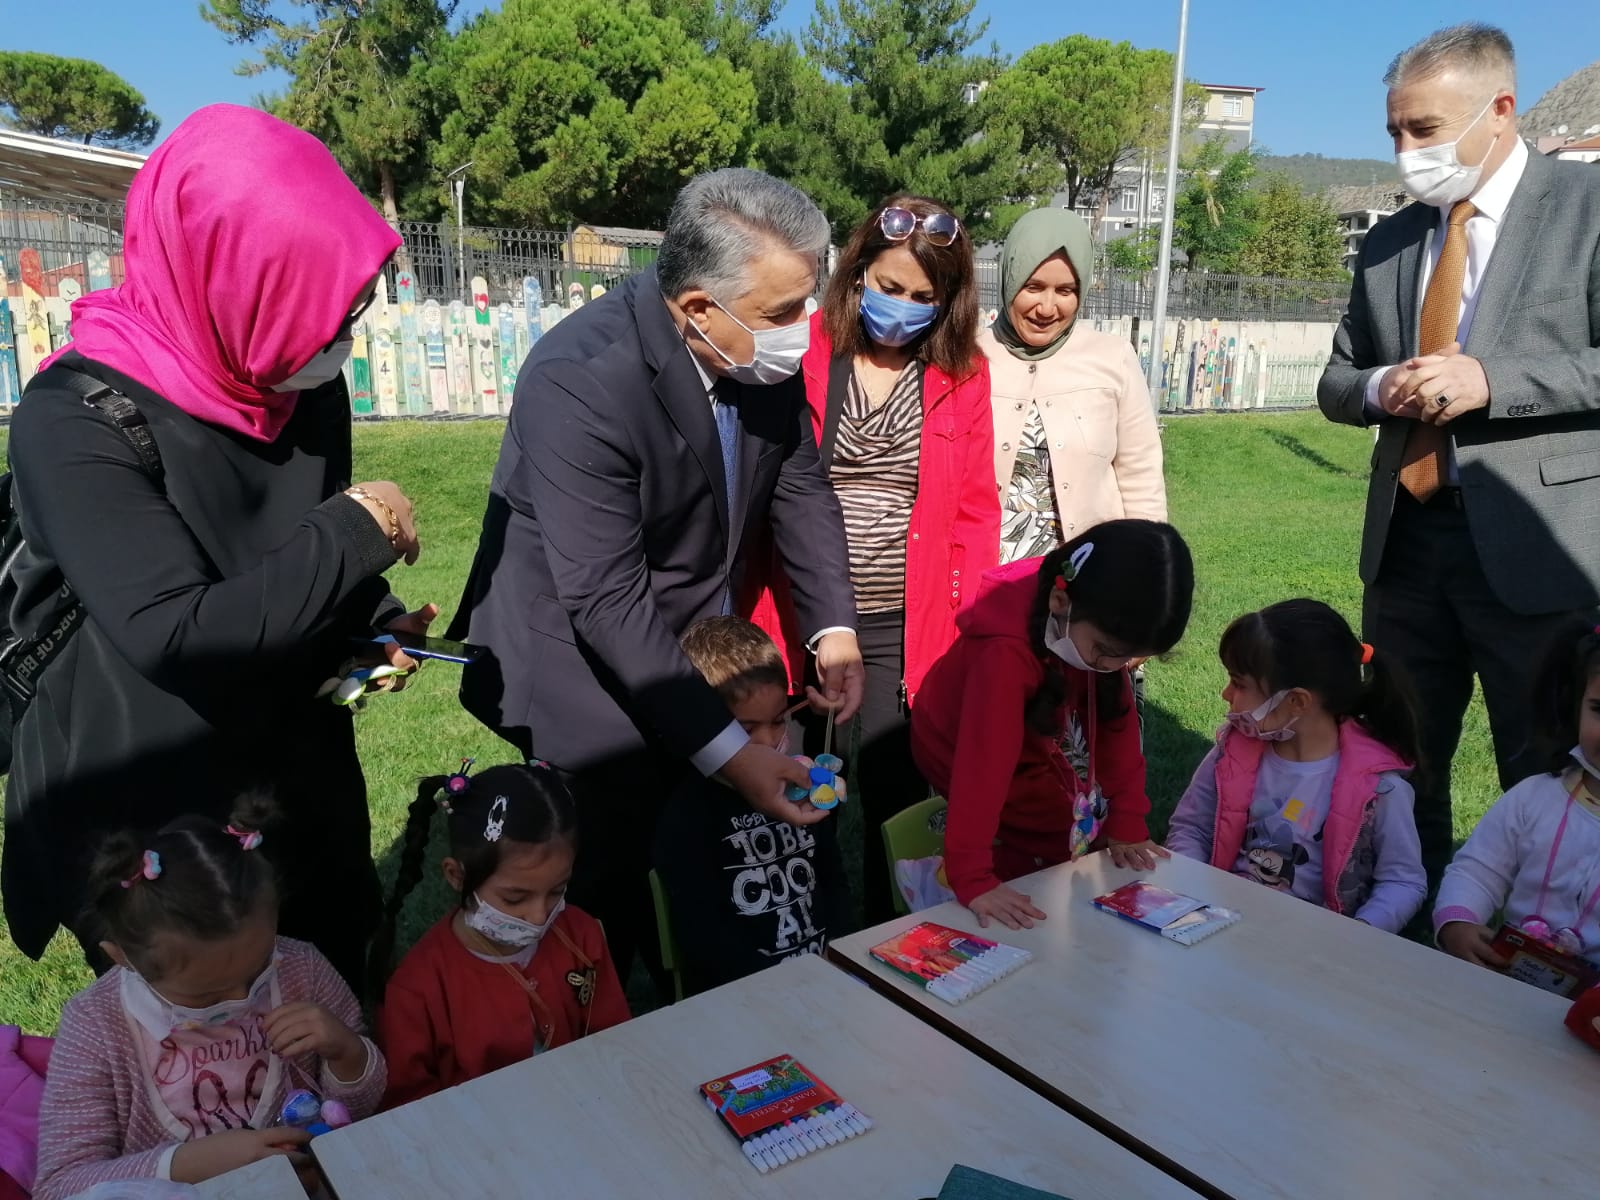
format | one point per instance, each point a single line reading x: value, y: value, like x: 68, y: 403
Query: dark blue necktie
x: 728, y: 434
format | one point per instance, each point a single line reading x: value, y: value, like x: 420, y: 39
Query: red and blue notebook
x: 1174, y: 916
x: 780, y: 1111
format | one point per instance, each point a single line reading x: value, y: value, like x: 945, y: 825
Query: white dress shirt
x: 1491, y: 200
x: 714, y: 755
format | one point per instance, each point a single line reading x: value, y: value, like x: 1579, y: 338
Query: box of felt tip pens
x: 779, y: 1111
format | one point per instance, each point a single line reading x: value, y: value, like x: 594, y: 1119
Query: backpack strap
x: 121, y: 411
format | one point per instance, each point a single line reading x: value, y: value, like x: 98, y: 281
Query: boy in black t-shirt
x: 744, y: 890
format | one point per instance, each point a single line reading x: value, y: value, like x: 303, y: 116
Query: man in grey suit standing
x: 1473, y: 341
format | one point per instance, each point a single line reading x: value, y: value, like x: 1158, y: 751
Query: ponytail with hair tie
x: 249, y: 839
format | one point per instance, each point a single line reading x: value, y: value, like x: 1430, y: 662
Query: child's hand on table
x: 206, y: 1158
x: 1471, y: 942
x: 1140, y: 856
x: 1006, y: 905
x: 304, y: 1028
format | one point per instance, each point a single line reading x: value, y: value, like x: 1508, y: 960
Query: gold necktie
x: 1422, y: 466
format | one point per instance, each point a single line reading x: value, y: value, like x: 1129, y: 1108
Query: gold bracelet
x: 361, y: 493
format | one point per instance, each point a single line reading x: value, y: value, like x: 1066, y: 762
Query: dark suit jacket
x: 1529, y: 463
x: 608, y: 534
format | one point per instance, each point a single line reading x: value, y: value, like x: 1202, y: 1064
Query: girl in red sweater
x: 1027, y: 725
x: 513, y: 970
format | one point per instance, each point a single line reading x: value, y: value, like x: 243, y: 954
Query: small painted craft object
x: 826, y: 789
x: 303, y: 1110
x: 357, y: 683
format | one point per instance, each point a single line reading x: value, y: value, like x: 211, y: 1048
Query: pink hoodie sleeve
x: 361, y: 1096
x: 81, y: 1134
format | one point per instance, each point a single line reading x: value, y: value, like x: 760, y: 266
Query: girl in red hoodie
x: 1027, y: 725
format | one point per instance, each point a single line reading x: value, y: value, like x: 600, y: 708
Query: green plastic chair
x: 670, y: 958
x: 910, y: 834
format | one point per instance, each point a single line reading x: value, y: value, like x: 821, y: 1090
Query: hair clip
x: 495, y: 825
x: 1073, y: 566
x: 249, y: 839
x: 458, y: 783
x: 149, y: 868
x: 1366, y: 654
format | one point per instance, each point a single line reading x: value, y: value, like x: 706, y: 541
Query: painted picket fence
x: 462, y: 364
x: 443, y: 360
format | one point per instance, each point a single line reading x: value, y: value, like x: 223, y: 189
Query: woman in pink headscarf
x: 221, y: 590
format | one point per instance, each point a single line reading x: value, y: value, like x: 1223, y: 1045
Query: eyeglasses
x: 898, y: 224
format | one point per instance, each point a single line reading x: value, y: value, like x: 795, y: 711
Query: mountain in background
x: 1574, y: 102
x: 1315, y: 173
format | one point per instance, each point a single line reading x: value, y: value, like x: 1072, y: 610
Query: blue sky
x: 1319, y: 63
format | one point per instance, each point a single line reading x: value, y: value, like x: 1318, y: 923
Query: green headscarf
x: 1035, y: 237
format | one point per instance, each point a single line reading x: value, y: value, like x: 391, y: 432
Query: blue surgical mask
x: 891, y: 321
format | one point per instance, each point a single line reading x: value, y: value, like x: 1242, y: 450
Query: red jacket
x: 1011, y: 790
x: 955, y: 521
x: 448, y: 1016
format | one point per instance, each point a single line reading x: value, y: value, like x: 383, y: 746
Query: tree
x: 1215, y: 216
x: 1297, y: 235
x: 73, y: 98
x: 1084, y: 109
x: 917, y: 117
x: 358, y: 77
x: 1136, y: 252
x: 591, y: 110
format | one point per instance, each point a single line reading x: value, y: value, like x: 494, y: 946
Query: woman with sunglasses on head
x: 206, y: 525
x: 1075, y: 434
x: 900, y: 406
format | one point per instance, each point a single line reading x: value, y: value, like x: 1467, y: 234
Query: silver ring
x: 1441, y: 400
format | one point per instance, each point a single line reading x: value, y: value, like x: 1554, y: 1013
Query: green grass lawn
x: 1271, y: 506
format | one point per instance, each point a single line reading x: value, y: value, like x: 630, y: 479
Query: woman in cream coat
x: 1075, y: 437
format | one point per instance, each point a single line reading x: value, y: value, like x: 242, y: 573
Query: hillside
x: 1317, y: 174
x: 1574, y: 102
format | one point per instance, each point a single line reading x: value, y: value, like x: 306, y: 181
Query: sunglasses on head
x: 898, y: 224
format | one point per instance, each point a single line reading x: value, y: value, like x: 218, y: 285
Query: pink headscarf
x: 246, y: 247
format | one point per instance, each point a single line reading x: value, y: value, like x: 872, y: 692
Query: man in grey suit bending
x: 653, y: 432
x: 1473, y: 341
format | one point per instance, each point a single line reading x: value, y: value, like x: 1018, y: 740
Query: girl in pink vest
x: 1305, y: 789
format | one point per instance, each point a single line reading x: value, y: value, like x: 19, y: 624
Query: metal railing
x: 441, y: 258
x: 83, y: 242
x: 66, y: 235
x: 1196, y: 294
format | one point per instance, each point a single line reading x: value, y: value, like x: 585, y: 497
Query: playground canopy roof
x: 41, y: 168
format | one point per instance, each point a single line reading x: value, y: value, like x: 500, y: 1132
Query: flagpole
x: 1158, y: 321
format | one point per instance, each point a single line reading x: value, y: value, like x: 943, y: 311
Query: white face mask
x: 319, y: 370
x: 777, y: 352
x: 506, y: 930
x: 1582, y: 760
x: 1058, y: 640
x: 1436, y: 175
x: 1248, y: 724
x: 162, y: 1017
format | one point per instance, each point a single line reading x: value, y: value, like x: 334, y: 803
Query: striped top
x: 875, y: 475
